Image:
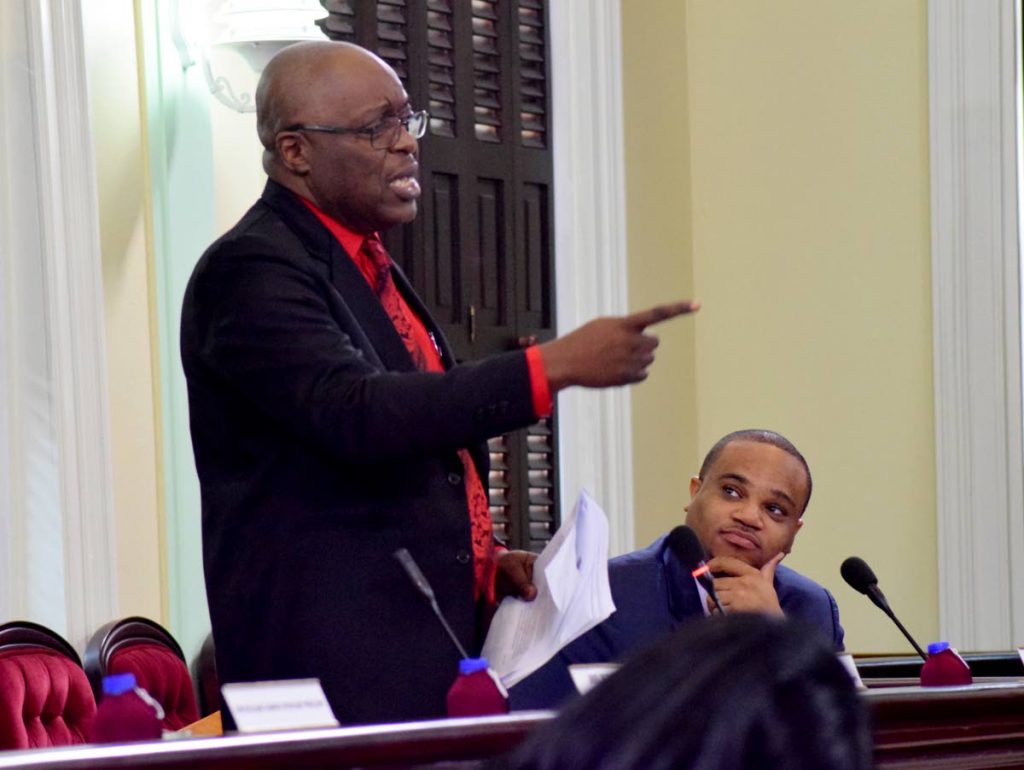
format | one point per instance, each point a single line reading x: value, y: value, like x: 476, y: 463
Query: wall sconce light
x: 226, y: 31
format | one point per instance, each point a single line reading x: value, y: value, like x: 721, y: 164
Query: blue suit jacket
x: 653, y: 595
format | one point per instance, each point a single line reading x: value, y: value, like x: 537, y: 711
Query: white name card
x: 586, y: 675
x: 287, y: 704
x: 851, y: 668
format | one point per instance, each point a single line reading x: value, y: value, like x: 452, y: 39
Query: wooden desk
x: 980, y: 726
x: 413, y: 744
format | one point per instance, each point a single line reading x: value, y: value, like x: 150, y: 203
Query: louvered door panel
x: 487, y: 111
x: 533, y: 93
x: 541, y: 483
x: 442, y: 290
x: 524, y: 486
x: 393, y: 37
x: 533, y: 173
x: 492, y: 246
x: 489, y: 277
x: 340, y: 23
x: 441, y: 67
x: 500, y: 485
x: 481, y: 251
x: 535, y: 263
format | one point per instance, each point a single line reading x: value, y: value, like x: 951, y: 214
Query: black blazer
x: 320, y: 450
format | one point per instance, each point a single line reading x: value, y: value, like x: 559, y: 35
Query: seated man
x: 746, y: 506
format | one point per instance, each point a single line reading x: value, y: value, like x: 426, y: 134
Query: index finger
x: 730, y: 565
x: 768, y: 570
x: 644, y: 318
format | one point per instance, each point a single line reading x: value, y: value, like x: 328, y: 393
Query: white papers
x: 851, y: 668
x: 284, y: 704
x: 573, y: 596
x: 586, y: 676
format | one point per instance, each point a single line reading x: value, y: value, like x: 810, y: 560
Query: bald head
x: 311, y: 82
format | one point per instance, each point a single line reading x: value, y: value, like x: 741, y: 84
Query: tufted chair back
x: 45, y: 698
x: 145, y: 648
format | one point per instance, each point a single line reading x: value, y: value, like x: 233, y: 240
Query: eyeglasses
x: 383, y: 134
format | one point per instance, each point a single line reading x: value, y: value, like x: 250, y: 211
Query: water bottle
x: 944, y: 667
x: 126, y: 712
x: 477, y: 690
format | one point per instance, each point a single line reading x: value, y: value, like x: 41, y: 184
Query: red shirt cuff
x: 540, y: 389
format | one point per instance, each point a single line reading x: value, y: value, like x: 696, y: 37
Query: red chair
x: 142, y: 647
x: 45, y: 698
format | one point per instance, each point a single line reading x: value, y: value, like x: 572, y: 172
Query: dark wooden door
x: 481, y: 252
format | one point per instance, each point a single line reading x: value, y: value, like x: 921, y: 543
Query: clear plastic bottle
x: 126, y: 712
x: 944, y: 667
x: 477, y: 690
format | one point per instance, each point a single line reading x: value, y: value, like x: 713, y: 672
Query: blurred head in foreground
x: 739, y: 691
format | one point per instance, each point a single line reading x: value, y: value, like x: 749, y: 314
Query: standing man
x: 746, y: 505
x: 330, y: 423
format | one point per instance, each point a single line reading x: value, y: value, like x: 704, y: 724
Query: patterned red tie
x: 427, y: 358
x: 393, y: 303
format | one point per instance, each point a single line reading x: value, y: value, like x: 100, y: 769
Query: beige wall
x: 114, y: 102
x: 779, y: 159
x: 660, y: 242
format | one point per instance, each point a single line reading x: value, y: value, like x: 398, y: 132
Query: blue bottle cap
x: 472, y: 665
x: 118, y: 684
x: 936, y: 647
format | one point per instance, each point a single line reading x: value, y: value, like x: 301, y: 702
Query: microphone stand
x: 875, y: 594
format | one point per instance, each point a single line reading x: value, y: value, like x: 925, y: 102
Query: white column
x: 590, y: 236
x: 57, y: 507
x: 974, y: 82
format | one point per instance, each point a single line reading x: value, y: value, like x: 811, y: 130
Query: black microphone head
x: 861, y: 577
x: 685, y: 546
x: 858, y: 575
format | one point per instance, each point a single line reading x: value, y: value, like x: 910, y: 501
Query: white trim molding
x: 75, y: 312
x: 977, y: 321
x: 590, y: 235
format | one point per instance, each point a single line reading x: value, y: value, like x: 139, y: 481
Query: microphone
x: 421, y: 584
x: 860, y: 577
x: 684, y: 545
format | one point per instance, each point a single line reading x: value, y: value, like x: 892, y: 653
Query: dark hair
x: 739, y: 691
x: 759, y: 436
